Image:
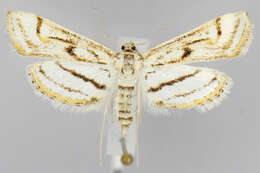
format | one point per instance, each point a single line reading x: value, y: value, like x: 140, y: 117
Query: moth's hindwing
x: 185, y: 87
x: 77, y: 84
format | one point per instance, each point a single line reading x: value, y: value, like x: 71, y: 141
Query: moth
x: 84, y: 75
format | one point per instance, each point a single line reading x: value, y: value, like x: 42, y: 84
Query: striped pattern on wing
x: 72, y: 83
x: 33, y: 35
x: 184, y: 87
x: 224, y: 37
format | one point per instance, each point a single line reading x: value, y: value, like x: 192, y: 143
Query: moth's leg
x: 113, y: 88
x: 138, y: 117
x: 101, y: 137
x: 139, y: 102
x: 108, y: 101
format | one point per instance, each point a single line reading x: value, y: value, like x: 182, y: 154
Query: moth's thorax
x: 128, y: 67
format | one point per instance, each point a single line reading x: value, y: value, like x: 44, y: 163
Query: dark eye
x: 133, y: 47
x: 123, y: 47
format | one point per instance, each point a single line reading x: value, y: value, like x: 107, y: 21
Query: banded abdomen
x: 125, y: 106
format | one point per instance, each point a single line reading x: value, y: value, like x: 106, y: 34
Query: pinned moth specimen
x: 83, y: 75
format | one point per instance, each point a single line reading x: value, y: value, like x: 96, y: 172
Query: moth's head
x: 128, y: 47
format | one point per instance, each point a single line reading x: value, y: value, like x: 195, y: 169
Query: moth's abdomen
x: 125, y: 107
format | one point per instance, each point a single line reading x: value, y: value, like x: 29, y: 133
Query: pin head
x: 127, y: 159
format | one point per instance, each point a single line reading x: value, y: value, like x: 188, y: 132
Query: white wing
x: 33, y: 35
x: 184, y: 87
x: 224, y: 37
x: 80, y: 85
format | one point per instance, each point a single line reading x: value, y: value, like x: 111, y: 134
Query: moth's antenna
x: 102, y: 26
x: 162, y: 29
x: 155, y: 33
x: 141, y: 43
